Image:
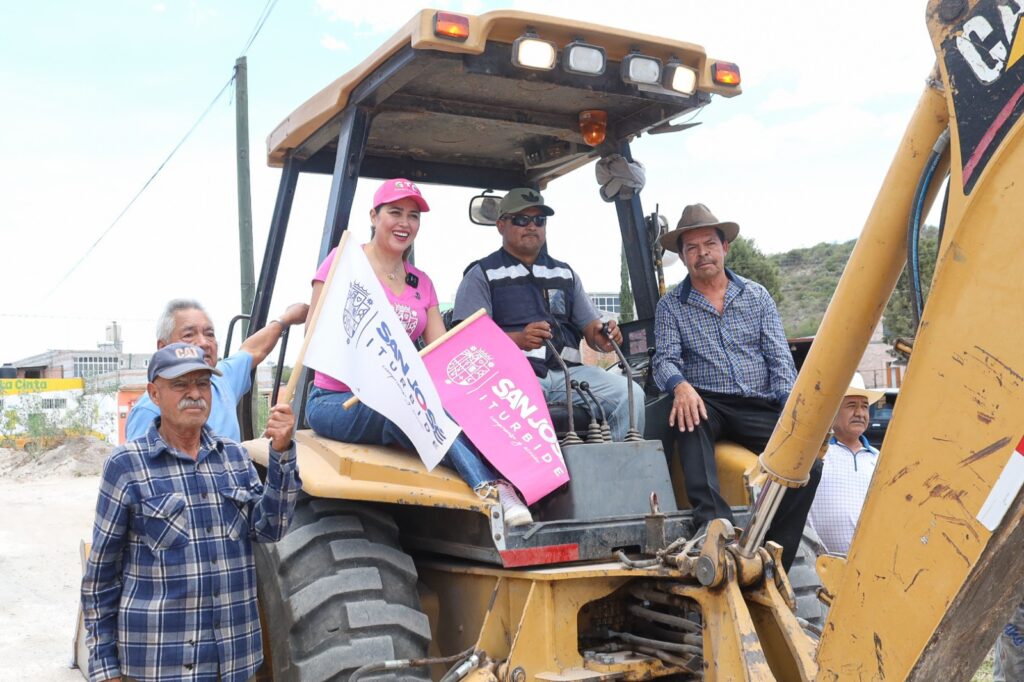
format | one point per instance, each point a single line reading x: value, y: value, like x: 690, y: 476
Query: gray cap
x: 177, y: 359
x: 523, y: 197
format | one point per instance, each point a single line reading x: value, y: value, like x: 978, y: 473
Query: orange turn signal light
x: 451, y: 26
x: 593, y: 126
x: 725, y: 73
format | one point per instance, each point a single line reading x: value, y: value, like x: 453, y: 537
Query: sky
x: 96, y: 99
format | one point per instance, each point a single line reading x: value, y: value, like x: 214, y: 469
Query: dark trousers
x: 749, y: 422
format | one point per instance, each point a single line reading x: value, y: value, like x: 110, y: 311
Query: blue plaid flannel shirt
x: 741, y: 352
x: 169, y: 591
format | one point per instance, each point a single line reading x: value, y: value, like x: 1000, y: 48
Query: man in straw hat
x: 848, y: 465
x: 722, y: 354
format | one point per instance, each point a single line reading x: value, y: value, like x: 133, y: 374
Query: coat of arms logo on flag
x: 356, y: 306
x: 469, y: 366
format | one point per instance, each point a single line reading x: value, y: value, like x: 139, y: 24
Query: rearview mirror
x: 483, y: 208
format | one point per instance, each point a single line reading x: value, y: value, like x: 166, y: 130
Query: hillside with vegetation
x: 802, y: 282
x: 808, y: 277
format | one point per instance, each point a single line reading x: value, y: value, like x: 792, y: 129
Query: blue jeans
x: 359, y: 424
x: 609, y: 389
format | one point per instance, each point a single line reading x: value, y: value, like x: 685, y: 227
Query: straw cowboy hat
x: 857, y: 388
x: 694, y: 216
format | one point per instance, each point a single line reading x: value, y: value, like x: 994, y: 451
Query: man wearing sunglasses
x: 535, y: 298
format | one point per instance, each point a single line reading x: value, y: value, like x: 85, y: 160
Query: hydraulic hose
x: 914, y: 226
x: 400, y: 664
x: 462, y: 668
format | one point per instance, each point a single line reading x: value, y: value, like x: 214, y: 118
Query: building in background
x: 607, y: 303
x: 42, y: 412
x: 68, y: 386
x: 879, y: 366
x: 82, y: 364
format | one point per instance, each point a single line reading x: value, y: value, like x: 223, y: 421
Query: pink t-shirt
x: 411, y: 307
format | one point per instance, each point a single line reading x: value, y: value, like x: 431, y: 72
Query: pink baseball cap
x: 399, y: 188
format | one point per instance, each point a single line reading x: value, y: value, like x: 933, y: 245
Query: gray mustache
x: 186, y: 403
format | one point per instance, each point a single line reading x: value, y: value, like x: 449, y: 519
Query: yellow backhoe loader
x: 391, y: 572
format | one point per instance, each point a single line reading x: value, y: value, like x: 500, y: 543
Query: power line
x: 264, y: 15
x: 138, y: 194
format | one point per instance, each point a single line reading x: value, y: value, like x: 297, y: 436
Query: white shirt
x: 845, y: 479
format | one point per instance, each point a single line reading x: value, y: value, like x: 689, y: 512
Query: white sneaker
x: 516, y: 512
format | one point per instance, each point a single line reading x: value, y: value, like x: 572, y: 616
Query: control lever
x: 649, y: 375
x: 632, y: 436
x: 570, y: 437
x: 594, y: 434
x: 606, y: 432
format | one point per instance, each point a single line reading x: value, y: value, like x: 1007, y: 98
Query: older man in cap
x: 536, y: 298
x: 169, y: 591
x: 849, y: 463
x: 723, y: 356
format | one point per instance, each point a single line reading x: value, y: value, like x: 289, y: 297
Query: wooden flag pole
x: 432, y: 345
x: 293, y: 380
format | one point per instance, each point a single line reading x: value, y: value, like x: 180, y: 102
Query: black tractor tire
x: 337, y: 593
x: 803, y: 576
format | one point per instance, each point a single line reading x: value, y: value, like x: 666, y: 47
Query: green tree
x: 899, y: 317
x: 809, y: 276
x: 747, y: 260
x: 627, y: 313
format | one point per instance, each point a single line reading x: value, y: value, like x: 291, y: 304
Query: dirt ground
x: 76, y: 457
x: 46, y: 521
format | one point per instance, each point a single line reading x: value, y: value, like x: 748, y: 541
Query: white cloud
x: 333, y: 44
x: 159, y: 8
x: 199, y: 13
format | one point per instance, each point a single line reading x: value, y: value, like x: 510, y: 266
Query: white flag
x: 359, y: 340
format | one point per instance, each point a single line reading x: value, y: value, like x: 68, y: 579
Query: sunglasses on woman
x: 522, y: 220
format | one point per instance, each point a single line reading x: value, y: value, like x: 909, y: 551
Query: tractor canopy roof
x: 477, y: 111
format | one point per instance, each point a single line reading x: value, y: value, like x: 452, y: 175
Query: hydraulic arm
x: 931, y: 574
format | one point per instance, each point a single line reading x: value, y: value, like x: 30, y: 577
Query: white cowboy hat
x: 857, y: 388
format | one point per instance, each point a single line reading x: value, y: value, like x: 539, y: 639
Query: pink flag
x: 488, y: 386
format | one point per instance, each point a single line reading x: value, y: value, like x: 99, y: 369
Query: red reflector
x: 452, y: 26
x: 535, y: 556
x: 725, y: 73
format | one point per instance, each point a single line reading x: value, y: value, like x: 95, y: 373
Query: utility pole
x: 247, y: 274
x: 246, y: 269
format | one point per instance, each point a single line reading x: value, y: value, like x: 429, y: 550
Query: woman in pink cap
x: 395, y: 221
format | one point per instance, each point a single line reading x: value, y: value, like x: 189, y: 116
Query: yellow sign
x: 13, y: 386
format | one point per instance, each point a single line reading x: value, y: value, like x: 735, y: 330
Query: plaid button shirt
x: 169, y: 591
x: 742, y: 351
